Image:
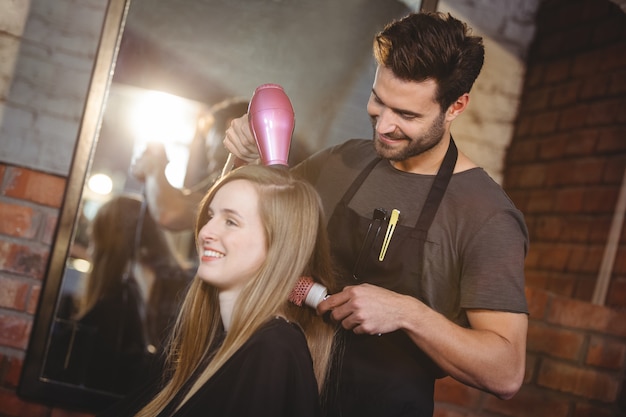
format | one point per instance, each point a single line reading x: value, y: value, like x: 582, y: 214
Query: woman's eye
x: 231, y: 222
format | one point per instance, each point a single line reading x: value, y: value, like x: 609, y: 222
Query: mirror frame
x: 32, y: 385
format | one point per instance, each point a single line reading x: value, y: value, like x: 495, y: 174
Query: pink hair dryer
x: 272, y: 122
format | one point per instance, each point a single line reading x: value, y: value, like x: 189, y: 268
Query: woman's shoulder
x: 279, y: 331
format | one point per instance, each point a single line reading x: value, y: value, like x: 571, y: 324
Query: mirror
x: 160, y: 62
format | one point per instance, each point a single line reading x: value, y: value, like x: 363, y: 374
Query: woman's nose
x: 207, y: 232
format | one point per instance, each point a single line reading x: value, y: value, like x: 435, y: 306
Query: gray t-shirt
x: 475, y: 249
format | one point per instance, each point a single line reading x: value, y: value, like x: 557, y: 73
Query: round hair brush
x: 308, y: 292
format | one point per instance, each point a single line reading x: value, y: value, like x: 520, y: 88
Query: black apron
x: 384, y: 375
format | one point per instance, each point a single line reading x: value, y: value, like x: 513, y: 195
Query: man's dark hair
x: 434, y: 46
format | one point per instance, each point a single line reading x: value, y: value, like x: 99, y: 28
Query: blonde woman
x: 132, y: 296
x: 239, y: 348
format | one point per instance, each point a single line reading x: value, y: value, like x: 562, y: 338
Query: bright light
x: 171, y: 120
x: 100, y: 184
x: 81, y: 265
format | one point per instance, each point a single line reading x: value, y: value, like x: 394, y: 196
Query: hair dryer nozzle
x: 272, y: 122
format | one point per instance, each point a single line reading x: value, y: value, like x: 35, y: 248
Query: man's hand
x: 240, y: 141
x: 151, y: 162
x: 366, y: 309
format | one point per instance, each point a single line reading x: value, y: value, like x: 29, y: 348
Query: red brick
x: 587, y: 383
x: 618, y: 82
x: 17, y: 220
x: 580, y: 171
x: 561, y: 284
x: 554, y: 341
x: 606, y: 353
x: 531, y: 364
x: 616, y: 295
x: 35, y: 292
x: 13, y: 406
x: 614, y: 169
x: 533, y: 175
x: 587, y: 63
x: 573, y: 117
x: 588, y: 410
x: 14, y: 294
x: 545, y: 122
x: 534, y: 74
x: 583, y: 315
x: 448, y: 390
x: 565, y: 94
x: 14, y: 331
x: 613, y: 57
x: 585, y: 286
x: 34, y: 186
x: 442, y: 410
x: 612, y: 139
x: 529, y: 402
x: 553, y: 147
x: 49, y: 228
x: 619, y: 265
x: 581, y: 142
x: 595, y: 85
x: 548, y: 228
x: 557, y: 71
x: 23, y: 260
x: 537, y: 302
x: 57, y: 412
x: 604, y: 112
x: 555, y: 257
x: 541, y: 201
x: 536, y: 279
x: 569, y: 200
x: 600, y: 199
x: 12, y: 376
x: 537, y: 99
x: 592, y: 259
x: 523, y: 126
x: 577, y: 229
x: 523, y: 151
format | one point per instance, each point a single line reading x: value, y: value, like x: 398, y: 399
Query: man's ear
x: 457, y: 107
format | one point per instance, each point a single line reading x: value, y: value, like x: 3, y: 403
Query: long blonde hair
x: 297, y: 242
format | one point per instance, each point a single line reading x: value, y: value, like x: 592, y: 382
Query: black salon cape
x: 271, y: 375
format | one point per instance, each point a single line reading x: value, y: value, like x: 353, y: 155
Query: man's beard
x: 414, y: 146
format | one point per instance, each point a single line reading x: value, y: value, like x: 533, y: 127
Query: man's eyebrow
x: 396, y: 109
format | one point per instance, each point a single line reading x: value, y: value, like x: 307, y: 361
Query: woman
x: 131, y: 296
x: 239, y: 347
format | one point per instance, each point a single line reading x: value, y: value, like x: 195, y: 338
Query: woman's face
x: 232, y: 243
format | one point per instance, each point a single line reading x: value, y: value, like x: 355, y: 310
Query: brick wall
x: 29, y: 207
x: 564, y: 170
x: 567, y: 160
x: 575, y: 363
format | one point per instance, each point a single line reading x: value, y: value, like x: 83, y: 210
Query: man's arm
x: 490, y: 355
x: 171, y: 208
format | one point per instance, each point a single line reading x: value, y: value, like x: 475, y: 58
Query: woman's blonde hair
x: 297, y: 245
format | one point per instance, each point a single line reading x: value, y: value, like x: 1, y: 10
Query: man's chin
x: 384, y: 150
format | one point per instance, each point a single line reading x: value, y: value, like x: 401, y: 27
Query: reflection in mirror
x: 115, y: 276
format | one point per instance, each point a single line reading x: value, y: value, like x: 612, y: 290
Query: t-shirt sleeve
x: 493, y: 266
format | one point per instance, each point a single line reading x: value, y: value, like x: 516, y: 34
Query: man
x: 429, y: 249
